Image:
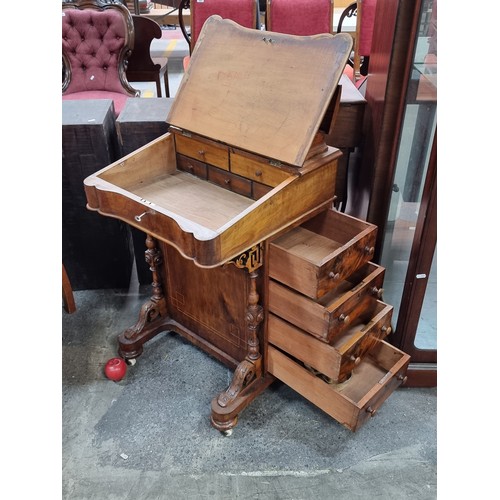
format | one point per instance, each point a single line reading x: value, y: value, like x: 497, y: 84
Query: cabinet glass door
x: 409, y: 251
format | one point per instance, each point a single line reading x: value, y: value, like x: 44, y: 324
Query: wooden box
x: 243, y: 164
x: 95, y: 250
x: 341, y: 308
x: 317, y: 256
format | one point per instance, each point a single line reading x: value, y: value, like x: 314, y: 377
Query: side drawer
x: 334, y: 362
x: 353, y: 402
x: 203, y: 150
x: 318, y: 255
x: 327, y: 317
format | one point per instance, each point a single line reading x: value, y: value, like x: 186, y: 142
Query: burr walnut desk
x: 244, y: 162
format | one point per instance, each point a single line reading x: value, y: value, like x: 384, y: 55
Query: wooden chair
x: 142, y: 67
x: 97, y: 39
x: 364, y: 10
x: 67, y: 293
x: 300, y: 17
x: 243, y: 12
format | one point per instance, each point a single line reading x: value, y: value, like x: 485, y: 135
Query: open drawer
x: 318, y: 255
x: 351, y: 403
x: 327, y: 317
x: 334, y: 362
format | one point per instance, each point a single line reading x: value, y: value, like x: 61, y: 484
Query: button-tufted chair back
x: 97, y: 39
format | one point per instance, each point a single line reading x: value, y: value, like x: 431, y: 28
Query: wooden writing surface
x: 261, y: 91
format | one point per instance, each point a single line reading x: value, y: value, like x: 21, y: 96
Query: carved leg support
x: 153, y: 313
x: 247, y: 381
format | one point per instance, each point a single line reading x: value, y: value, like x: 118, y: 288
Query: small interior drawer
x: 336, y: 361
x: 192, y: 166
x: 327, y: 317
x: 352, y: 402
x: 257, y: 169
x: 230, y: 181
x: 204, y: 150
x: 318, y: 255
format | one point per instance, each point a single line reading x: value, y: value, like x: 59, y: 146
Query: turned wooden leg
x: 153, y: 313
x: 247, y: 382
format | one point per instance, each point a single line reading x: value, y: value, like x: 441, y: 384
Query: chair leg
x: 158, y: 87
x: 165, y: 80
x: 67, y: 293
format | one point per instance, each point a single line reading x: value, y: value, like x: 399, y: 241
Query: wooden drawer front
x: 353, y: 402
x: 329, y: 316
x: 203, y: 150
x: 259, y: 190
x: 230, y: 181
x: 257, y: 170
x: 317, y: 256
x: 335, y: 361
x: 192, y: 166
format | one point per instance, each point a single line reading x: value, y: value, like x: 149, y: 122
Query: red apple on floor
x: 115, y: 369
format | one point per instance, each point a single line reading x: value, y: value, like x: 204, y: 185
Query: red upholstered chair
x: 243, y: 12
x: 364, y: 10
x: 97, y: 38
x: 300, y: 17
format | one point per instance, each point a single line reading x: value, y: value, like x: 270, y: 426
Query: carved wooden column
x: 153, y: 313
x: 248, y: 380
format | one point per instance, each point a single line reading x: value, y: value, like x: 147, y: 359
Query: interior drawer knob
x: 369, y: 250
x: 403, y: 379
x: 333, y: 276
x: 344, y: 318
x: 258, y: 173
x: 227, y: 181
x: 371, y: 411
x: 355, y: 359
x: 201, y: 152
x: 378, y: 292
x: 387, y: 330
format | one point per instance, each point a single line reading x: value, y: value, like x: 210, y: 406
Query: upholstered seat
x: 97, y: 38
x: 243, y: 12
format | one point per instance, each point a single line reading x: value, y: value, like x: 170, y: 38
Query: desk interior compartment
x: 327, y: 317
x: 318, y: 255
x: 352, y: 402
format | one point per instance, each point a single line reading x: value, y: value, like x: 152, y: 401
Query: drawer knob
x: 258, y: 173
x: 333, y: 276
x: 201, y: 152
x: 403, y: 379
x: 387, y: 330
x: 369, y: 250
x: 344, y: 318
x: 227, y: 181
x: 355, y: 359
x: 378, y: 292
x: 371, y: 411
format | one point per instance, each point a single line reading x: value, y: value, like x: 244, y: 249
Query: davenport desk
x: 237, y: 195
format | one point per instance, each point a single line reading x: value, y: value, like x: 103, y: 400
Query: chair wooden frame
x: 142, y: 67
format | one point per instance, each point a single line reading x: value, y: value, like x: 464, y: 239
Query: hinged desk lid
x: 260, y: 91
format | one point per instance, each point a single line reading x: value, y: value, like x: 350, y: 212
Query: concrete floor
x: 149, y: 435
